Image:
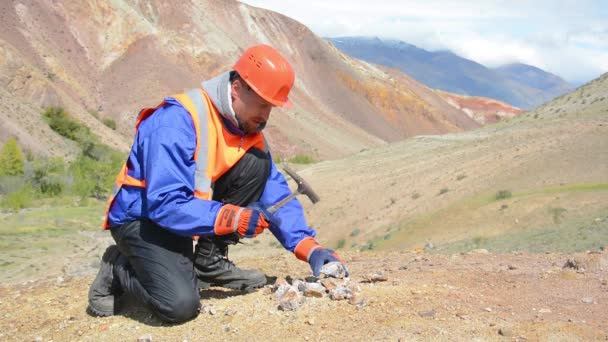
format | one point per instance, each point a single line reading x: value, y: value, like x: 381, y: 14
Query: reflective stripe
x: 236, y: 220
x: 202, y: 183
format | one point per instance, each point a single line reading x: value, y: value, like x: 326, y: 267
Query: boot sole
x: 202, y: 285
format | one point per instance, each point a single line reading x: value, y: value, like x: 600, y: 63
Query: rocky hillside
x: 520, y: 85
x: 481, y: 109
x: 106, y: 60
x: 539, y: 180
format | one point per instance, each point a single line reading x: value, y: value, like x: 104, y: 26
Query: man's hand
x: 322, y: 256
x: 246, y: 222
x: 270, y: 218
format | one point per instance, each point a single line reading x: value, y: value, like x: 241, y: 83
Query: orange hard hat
x: 268, y: 73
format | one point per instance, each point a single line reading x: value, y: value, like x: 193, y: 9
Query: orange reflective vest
x: 217, y: 149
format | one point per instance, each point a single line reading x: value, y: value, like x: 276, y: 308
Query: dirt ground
x: 460, y: 297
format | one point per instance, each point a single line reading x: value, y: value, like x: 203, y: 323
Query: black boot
x: 104, y: 291
x: 214, y: 269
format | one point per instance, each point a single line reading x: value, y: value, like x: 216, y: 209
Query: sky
x: 566, y: 37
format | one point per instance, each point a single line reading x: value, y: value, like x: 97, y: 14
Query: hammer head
x: 303, y: 187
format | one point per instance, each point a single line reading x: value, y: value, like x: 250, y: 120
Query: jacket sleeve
x: 293, y: 233
x: 167, y: 147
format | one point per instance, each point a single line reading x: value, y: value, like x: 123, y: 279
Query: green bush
x: 341, y: 244
x: 302, y: 159
x: 503, y: 194
x: 355, y: 232
x: 22, y: 198
x: 94, y: 178
x: 110, y: 123
x: 49, y: 176
x: 60, y: 122
x: 11, y: 159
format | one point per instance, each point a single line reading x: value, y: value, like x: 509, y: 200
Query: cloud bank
x: 567, y: 38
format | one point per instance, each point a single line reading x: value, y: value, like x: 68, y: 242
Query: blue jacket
x: 162, y: 155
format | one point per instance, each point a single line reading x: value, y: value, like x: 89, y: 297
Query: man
x: 200, y: 166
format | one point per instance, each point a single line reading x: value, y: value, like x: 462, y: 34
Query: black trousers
x: 160, y: 271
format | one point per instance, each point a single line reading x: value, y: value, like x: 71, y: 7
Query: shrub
x: 48, y: 176
x: 341, y: 244
x: 110, y: 123
x: 60, y: 122
x: 355, y: 232
x: 11, y: 159
x: 461, y: 176
x: 415, y: 195
x: 302, y: 159
x: 503, y: 194
x: 93, y: 178
x: 557, y: 214
x: 443, y: 191
x: 22, y: 198
x: 368, y: 246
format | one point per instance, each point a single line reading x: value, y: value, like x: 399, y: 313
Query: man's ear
x: 235, y: 88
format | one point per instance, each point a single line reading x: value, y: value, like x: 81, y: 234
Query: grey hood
x: 218, y: 89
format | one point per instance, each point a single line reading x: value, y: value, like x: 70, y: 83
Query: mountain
x: 520, y: 85
x: 537, y: 181
x: 107, y: 60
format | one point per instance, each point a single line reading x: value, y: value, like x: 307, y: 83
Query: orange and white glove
x: 246, y: 222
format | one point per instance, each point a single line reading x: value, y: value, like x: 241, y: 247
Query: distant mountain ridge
x: 520, y: 85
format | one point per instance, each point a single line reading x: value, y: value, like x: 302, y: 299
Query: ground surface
x: 461, y: 297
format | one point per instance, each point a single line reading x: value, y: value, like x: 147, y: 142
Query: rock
x: 478, y: 251
x: 314, y: 290
x: 290, y: 300
x: 299, y: 284
x: 341, y: 292
x: 506, y: 332
x: 587, y: 300
x: 334, y: 270
x: 280, y: 289
x: 544, y: 311
x: 357, y: 300
x: 462, y: 316
x: 145, y: 338
x: 375, y: 277
x: 427, y: 313
x: 230, y: 312
x: 511, y: 267
x: 329, y: 284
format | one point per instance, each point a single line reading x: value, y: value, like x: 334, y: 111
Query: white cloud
x: 566, y: 37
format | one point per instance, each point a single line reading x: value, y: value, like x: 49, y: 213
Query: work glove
x: 321, y: 256
x: 270, y: 218
x: 246, y: 222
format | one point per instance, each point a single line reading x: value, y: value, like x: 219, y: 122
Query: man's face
x: 251, y: 110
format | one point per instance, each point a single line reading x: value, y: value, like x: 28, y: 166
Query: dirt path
x: 462, y: 297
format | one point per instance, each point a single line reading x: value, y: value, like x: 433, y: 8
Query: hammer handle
x: 273, y: 208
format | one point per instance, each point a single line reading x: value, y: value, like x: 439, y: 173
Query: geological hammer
x: 303, y: 188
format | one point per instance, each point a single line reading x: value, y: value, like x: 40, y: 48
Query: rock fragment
x: 334, y: 270
x: 290, y: 300
x: 341, y: 292
x: 375, y: 277
x: 314, y: 290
